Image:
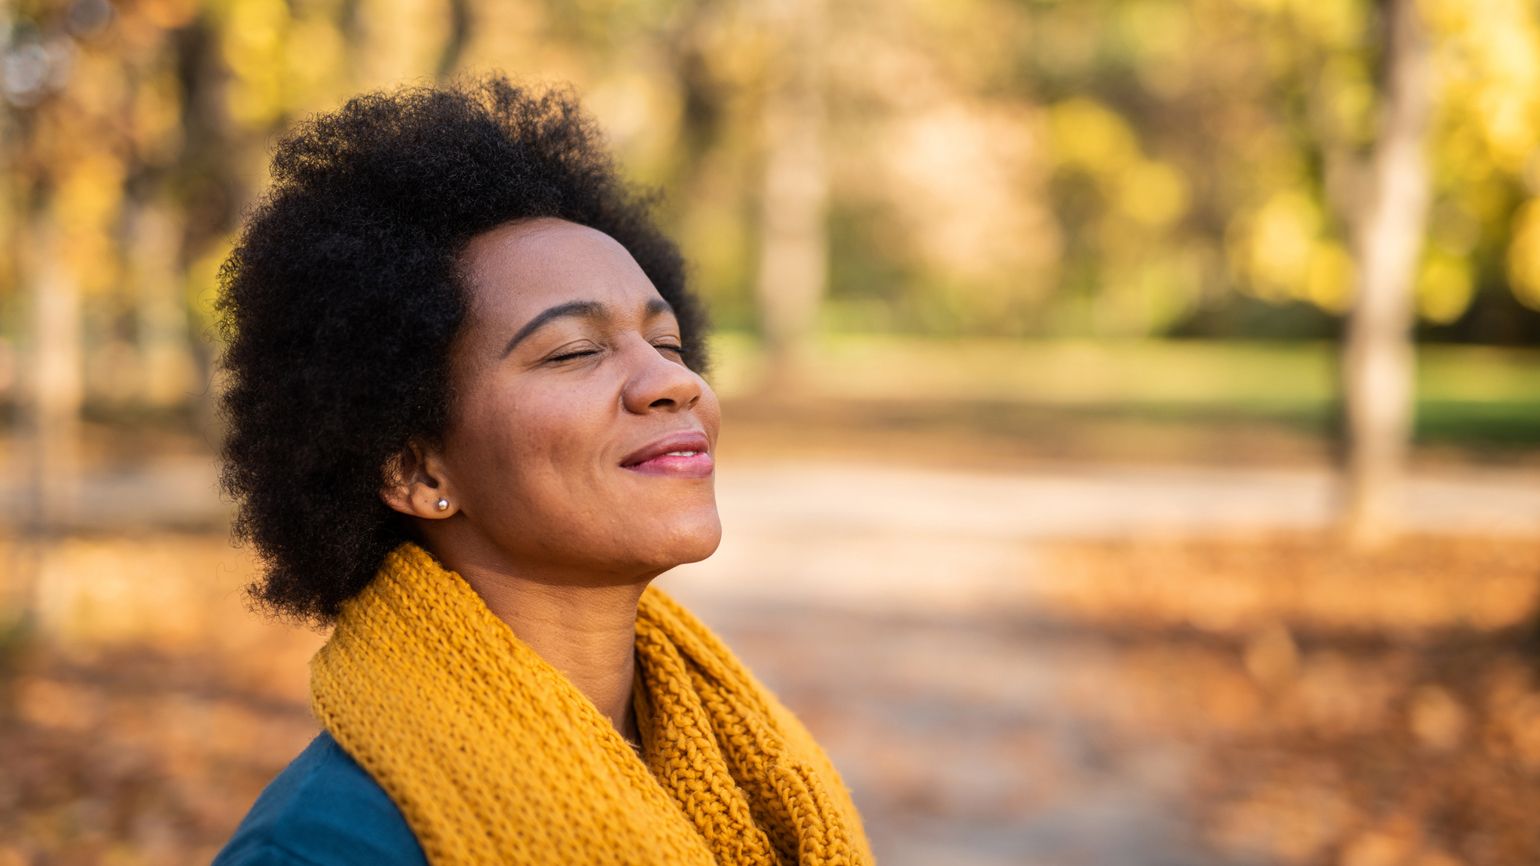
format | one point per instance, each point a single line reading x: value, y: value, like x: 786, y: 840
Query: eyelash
x: 570, y: 355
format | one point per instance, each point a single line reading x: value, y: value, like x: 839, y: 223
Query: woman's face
x: 566, y: 371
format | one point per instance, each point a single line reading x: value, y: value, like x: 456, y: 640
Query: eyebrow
x: 581, y: 310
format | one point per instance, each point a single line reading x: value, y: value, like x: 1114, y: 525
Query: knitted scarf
x: 494, y: 757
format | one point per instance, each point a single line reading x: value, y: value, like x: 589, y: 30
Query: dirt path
x: 1045, y: 501
x: 871, y: 597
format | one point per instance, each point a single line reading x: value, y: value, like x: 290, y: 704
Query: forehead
x: 519, y: 269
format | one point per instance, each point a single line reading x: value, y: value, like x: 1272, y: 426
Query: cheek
x: 709, y: 410
x: 522, y: 451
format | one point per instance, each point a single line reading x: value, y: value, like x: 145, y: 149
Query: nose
x: 658, y: 381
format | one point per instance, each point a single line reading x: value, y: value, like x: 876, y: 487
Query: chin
x: 689, y: 539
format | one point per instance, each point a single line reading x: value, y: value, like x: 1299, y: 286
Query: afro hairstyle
x: 343, y: 293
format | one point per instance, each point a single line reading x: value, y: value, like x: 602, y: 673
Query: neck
x: 588, y: 632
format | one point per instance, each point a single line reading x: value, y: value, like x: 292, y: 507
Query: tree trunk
x: 793, y: 250
x: 212, y: 150
x: 1378, y: 361
x: 169, y: 369
x: 54, y: 385
x: 454, y: 44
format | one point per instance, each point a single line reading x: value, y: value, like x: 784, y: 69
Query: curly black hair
x: 343, y: 293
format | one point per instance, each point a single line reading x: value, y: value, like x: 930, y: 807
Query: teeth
x: 683, y: 453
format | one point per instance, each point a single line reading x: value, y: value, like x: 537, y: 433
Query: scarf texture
x: 493, y: 756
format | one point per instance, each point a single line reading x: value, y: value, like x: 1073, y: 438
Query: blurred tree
x: 1201, y: 154
x: 1108, y: 168
x: 1377, y: 360
x: 793, y: 247
x: 61, y: 161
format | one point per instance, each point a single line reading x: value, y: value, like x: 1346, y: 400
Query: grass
x: 1466, y: 395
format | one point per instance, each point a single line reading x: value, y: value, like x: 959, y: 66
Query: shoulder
x: 322, y: 810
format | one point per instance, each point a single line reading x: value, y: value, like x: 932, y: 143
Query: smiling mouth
x: 679, y: 464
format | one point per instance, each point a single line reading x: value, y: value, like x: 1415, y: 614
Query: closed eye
x: 570, y: 355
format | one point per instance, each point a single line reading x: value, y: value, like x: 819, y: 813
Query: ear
x: 415, y: 482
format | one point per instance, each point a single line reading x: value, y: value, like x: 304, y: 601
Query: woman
x: 467, y: 429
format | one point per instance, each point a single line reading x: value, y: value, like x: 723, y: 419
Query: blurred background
x: 1132, y: 407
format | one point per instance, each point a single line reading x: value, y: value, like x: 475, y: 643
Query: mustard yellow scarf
x: 494, y: 756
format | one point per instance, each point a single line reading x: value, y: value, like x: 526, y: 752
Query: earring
x: 443, y: 504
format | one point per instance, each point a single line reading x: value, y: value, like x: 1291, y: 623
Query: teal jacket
x: 323, y: 810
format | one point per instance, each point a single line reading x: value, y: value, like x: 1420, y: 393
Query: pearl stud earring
x: 443, y: 504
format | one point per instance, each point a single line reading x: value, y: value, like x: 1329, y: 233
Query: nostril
x: 661, y: 384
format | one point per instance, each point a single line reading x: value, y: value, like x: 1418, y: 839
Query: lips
x: 685, y: 454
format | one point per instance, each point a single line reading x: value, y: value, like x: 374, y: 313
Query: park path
x: 871, y: 598
x: 1072, y: 500
x: 884, y: 535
